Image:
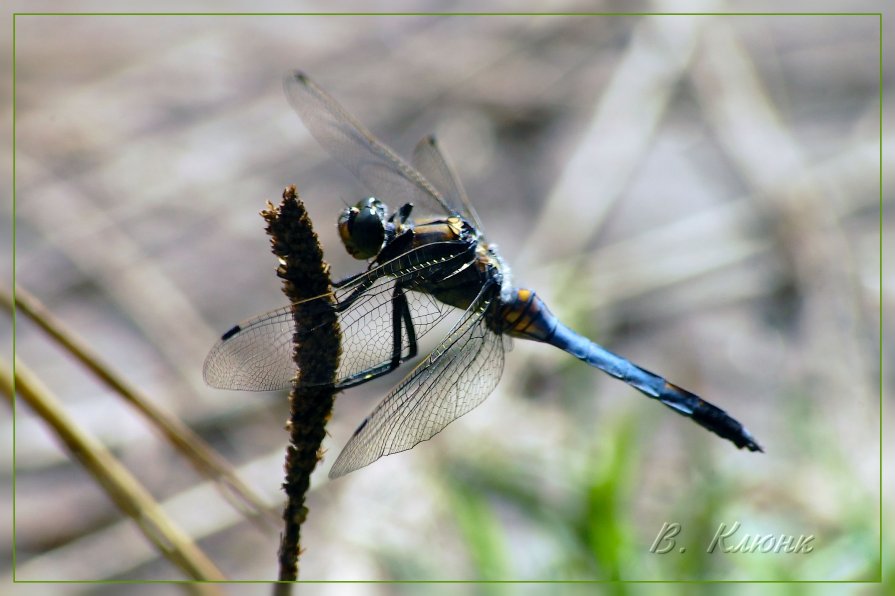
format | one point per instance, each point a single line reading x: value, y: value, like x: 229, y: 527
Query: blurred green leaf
x: 480, y: 530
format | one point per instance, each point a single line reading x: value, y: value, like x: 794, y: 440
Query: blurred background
x: 699, y: 194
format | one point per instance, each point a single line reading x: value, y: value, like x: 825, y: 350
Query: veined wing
x: 378, y: 168
x: 430, y: 160
x: 452, y: 380
x: 256, y: 355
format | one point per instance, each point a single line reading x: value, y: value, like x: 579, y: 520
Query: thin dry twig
x: 122, y: 487
x: 90, y: 550
x: 199, y: 453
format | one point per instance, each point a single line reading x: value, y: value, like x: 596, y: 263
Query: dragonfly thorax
x: 362, y: 228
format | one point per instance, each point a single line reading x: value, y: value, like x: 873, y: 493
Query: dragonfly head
x: 362, y: 228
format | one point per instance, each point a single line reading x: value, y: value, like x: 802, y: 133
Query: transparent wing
x: 429, y: 160
x: 378, y: 168
x: 452, y: 380
x: 256, y: 355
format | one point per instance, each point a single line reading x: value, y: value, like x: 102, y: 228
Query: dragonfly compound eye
x: 362, y: 228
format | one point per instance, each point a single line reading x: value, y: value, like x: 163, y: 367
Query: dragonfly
x: 420, y: 272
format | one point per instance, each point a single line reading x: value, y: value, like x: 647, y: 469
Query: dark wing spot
x: 361, y: 427
x: 236, y: 329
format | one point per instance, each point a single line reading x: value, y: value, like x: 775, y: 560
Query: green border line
x: 881, y: 570
x: 453, y: 581
x: 13, y: 366
x: 879, y: 15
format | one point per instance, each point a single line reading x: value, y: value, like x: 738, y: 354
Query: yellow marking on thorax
x: 426, y: 233
x: 456, y: 225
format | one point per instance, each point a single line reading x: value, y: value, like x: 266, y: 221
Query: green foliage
x: 580, y: 521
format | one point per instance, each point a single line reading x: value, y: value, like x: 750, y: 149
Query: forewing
x: 430, y: 161
x: 256, y: 355
x: 378, y: 168
x: 452, y: 380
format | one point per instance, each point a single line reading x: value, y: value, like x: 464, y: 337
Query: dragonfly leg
x: 400, y: 315
x: 403, y: 213
x: 346, y: 302
x: 347, y: 280
x: 401, y: 311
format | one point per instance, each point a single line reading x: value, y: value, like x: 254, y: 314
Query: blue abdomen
x: 526, y: 316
